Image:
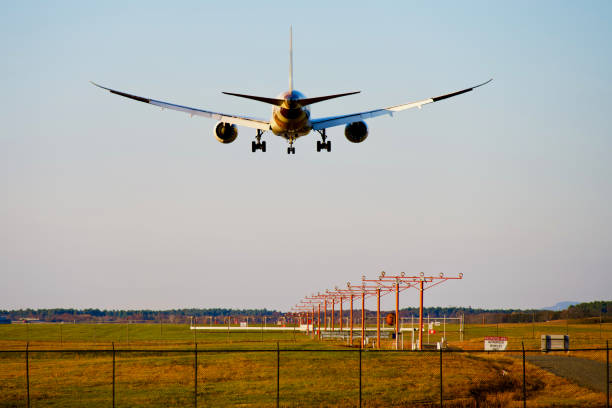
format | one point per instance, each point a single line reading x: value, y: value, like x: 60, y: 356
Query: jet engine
x: 225, y: 132
x: 356, y: 132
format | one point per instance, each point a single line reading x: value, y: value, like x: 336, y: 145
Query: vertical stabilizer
x: 290, y: 59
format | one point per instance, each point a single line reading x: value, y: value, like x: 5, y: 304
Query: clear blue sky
x: 111, y: 203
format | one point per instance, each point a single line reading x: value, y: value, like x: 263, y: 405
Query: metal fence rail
x: 441, y: 370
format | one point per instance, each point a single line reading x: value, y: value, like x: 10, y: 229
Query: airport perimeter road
x: 584, y: 372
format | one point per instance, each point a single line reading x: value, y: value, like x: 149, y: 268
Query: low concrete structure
x: 551, y: 342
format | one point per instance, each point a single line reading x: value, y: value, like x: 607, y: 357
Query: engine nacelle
x: 225, y: 132
x: 356, y: 132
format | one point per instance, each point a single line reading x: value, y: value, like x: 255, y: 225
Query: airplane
x: 291, y: 115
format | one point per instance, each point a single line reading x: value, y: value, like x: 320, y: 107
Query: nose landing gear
x: 258, y: 145
x: 323, y: 145
x: 291, y: 149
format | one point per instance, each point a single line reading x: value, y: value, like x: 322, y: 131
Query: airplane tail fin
x: 293, y: 103
x: 290, y: 59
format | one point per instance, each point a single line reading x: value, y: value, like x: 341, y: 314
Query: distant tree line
x: 597, y: 309
x: 590, y: 309
x: 100, y: 315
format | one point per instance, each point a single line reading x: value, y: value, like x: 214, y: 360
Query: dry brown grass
x: 325, y: 379
x: 315, y: 379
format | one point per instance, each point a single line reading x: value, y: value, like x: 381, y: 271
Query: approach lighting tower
x: 419, y: 282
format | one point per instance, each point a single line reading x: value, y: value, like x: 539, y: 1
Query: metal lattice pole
x: 351, y: 328
x: 363, y: 322
x: 421, y: 290
x: 378, y: 318
x: 319, y: 321
x: 397, y: 318
x: 325, y: 315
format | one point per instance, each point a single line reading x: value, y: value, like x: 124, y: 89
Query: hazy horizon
x: 111, y: 203
x: 357, y: 306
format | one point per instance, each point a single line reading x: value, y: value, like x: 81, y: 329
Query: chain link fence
x: 288, y: 377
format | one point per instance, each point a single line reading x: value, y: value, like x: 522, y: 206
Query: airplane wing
x: 324, y: 123
x: 236, y: 120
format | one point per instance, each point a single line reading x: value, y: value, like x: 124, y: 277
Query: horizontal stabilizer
x: 310, y: 101
x: 293, y: 102
x: 271, y: 101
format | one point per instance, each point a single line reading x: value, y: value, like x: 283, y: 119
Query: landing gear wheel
x: 257, y: 144
x: 323, y: 144
x: 291, y: 150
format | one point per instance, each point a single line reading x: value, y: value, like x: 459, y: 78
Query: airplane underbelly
x: 290, y: 127
x: 286, y: 133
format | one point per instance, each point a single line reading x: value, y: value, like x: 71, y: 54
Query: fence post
x: 607, y: 374
x: 113, y: 374
x: 441, y: 375
x: 195, y: 376
x: 524, y: 383
x: 360, y: 377
x: 277, y: 375
x: 27, y: 355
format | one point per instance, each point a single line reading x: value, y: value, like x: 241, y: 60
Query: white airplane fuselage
x: 290, y: 120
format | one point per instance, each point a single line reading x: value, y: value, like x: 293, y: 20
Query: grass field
x: 169, y: 335
x: 247, y: 375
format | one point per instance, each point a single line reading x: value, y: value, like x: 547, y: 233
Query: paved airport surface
x: 584, y: 372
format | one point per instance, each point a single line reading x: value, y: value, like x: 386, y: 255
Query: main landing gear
x: 323, y: 145
x: 258, y: 145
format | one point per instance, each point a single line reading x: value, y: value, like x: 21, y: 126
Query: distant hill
x: 561, y: 306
